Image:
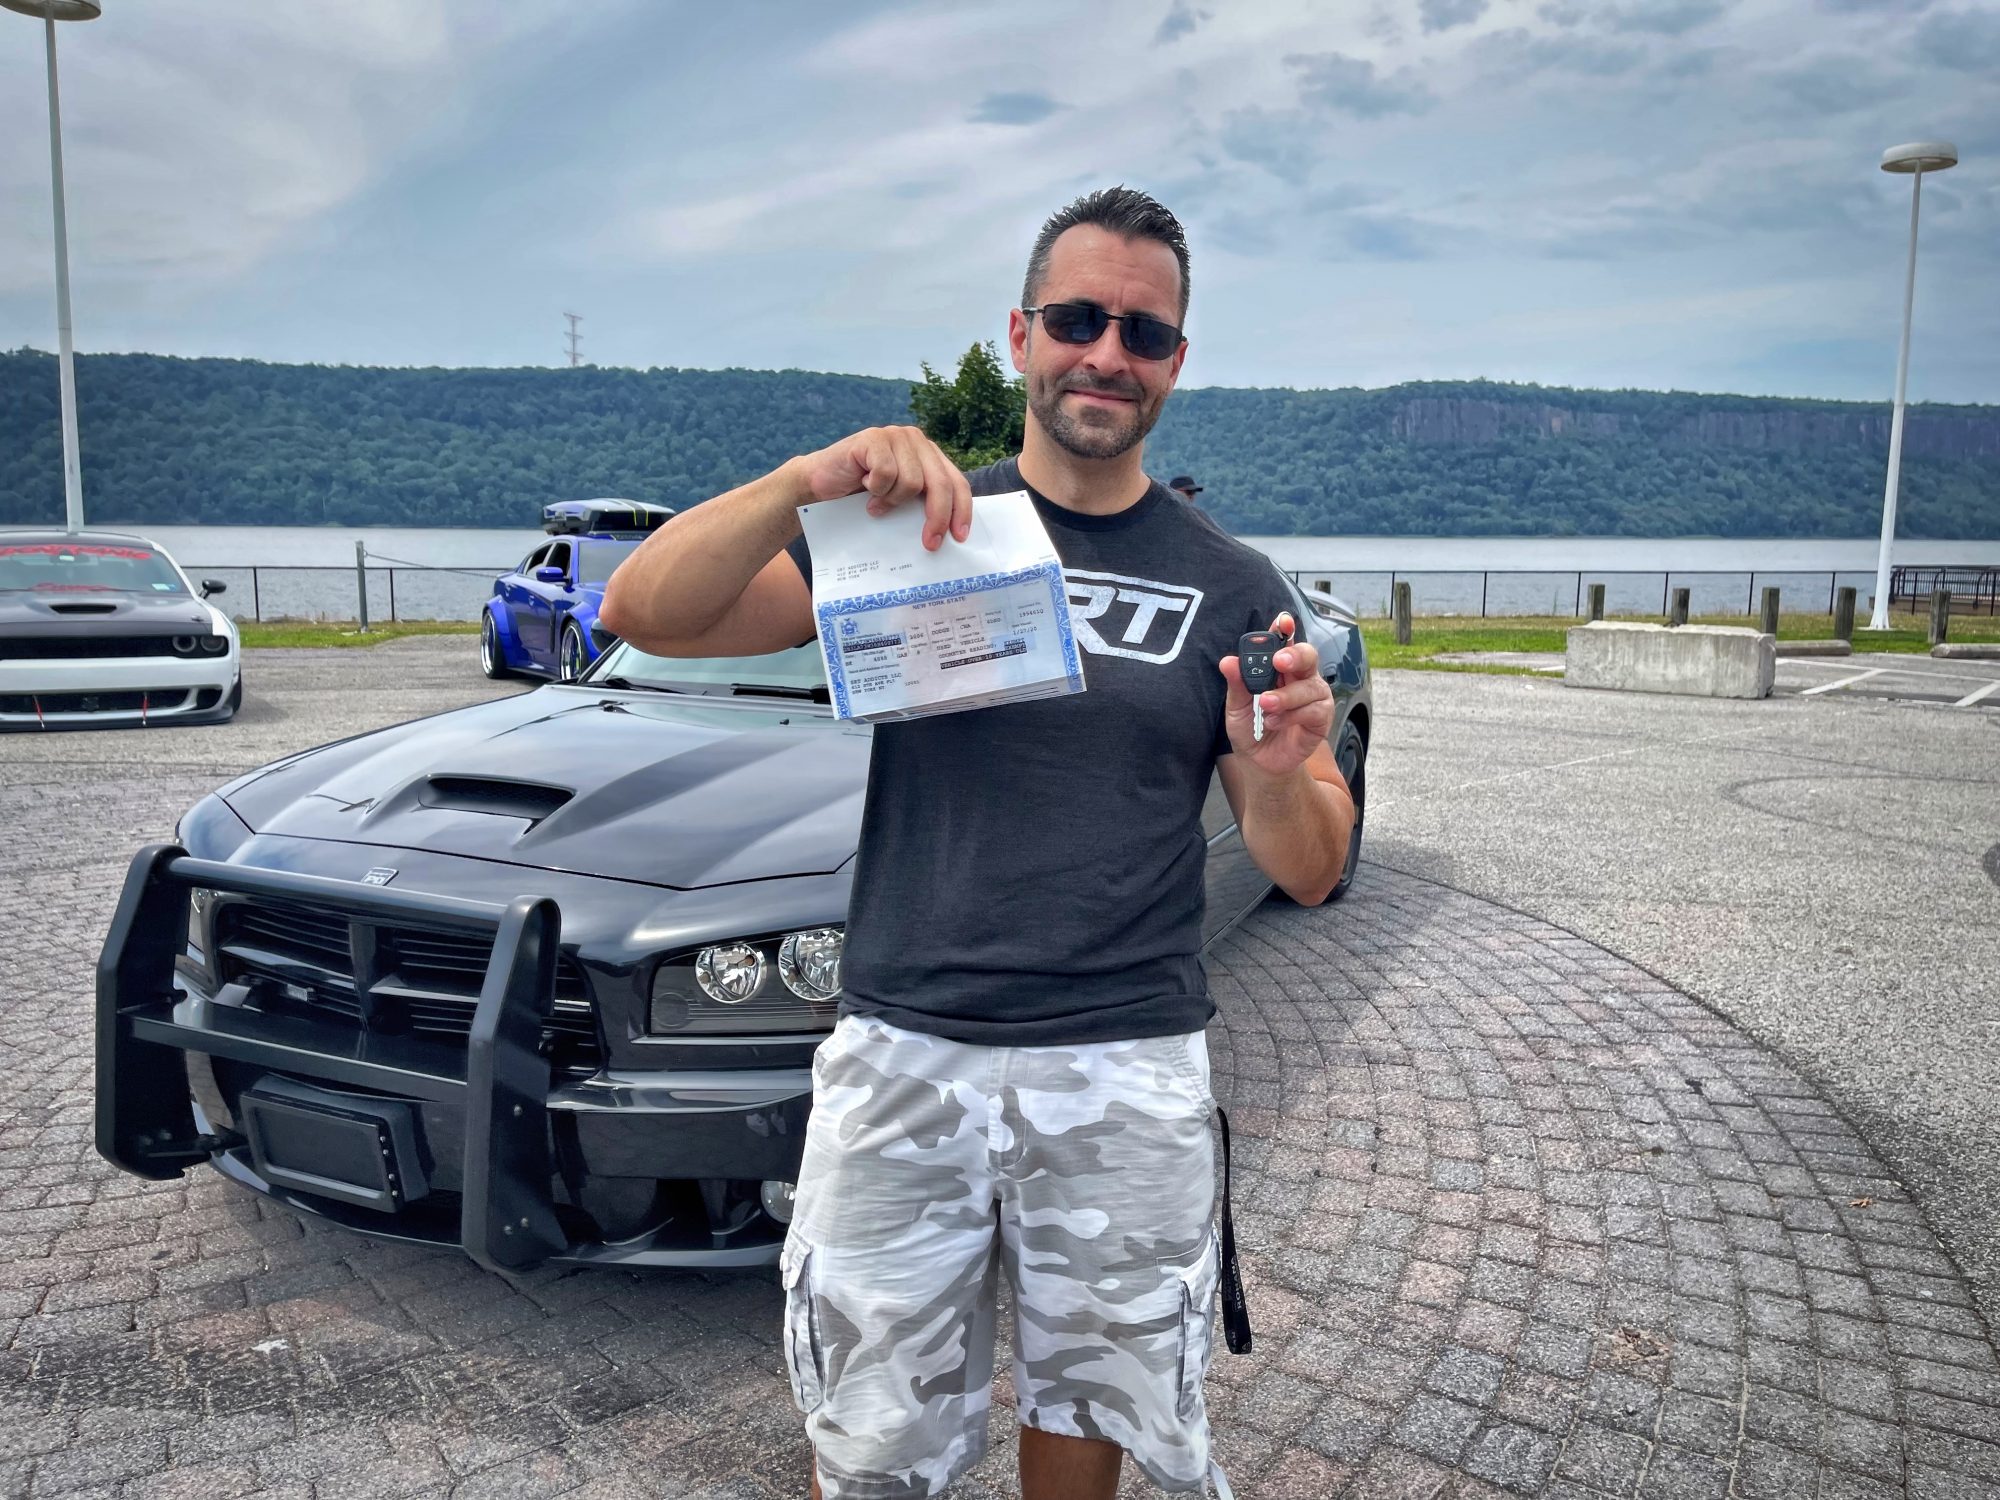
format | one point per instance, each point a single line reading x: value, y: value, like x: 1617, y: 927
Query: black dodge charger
x: 542, y: 977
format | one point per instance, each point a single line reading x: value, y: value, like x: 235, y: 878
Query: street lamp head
x: 61, y: 10
x: 1918, y: 156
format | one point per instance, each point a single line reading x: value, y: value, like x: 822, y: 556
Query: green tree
x: 240, y: 442
x: 978, y: 418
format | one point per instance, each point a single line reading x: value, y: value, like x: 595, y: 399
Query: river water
x: 308, y: 572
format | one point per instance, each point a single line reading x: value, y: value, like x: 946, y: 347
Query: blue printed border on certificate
x: 830, y: 613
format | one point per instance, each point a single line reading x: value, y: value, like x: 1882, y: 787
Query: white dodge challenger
x: 101, y: 628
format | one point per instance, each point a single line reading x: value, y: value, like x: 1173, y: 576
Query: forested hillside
x: 178, y: 441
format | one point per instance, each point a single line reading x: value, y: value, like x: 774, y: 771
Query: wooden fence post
x: 361, y: 584
x: 1769, y: 623
x: 1843, y: 615
x: 1399, y: 609
x: 1678, y: 613
x: 1597, y: 601
x: 1940, y: 615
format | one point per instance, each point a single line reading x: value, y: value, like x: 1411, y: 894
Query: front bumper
x: 484, y: 1146
x: 122, y: 689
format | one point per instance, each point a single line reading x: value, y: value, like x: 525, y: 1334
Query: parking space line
x: 1827, y: 687
x: 1977, y: 693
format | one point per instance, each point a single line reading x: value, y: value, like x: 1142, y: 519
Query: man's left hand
x: 1298, y: 712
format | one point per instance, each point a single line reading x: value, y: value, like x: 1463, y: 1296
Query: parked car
x: 478, y: 979
x: 542, y: 618
x: 101, y: 628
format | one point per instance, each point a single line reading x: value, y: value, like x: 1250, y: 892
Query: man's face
x: 1098, y: 401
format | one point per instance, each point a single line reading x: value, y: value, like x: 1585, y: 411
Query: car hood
x: 666, y: 790
x: 87, y: 611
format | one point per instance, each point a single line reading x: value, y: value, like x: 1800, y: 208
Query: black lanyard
x: 1235, y: 1310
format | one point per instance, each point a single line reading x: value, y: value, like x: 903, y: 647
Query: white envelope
x: 906, y: 632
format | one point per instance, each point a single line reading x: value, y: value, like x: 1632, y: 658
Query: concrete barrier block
x: 1968, y: 651
x: 1705, y: 661
x: 1815, y: 648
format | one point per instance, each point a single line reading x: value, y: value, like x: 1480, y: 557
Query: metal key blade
x: 1257, y: 720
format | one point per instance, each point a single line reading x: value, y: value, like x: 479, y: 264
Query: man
x: 1184, y: 486
x: 1019, y: 1080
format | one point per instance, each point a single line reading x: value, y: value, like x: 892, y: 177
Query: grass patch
x: 1432, y: 636
x: 256, y: 633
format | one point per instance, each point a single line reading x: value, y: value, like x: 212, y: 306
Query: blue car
x: 542, y: 618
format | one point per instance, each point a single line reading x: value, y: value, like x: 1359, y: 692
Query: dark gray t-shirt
x: 1031, y: 875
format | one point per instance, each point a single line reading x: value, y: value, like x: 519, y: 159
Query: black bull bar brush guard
x: 145, y: 1113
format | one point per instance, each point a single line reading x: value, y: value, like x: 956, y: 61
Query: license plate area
x: 348, y: 1147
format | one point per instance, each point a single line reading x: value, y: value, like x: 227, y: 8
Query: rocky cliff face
x: 1925, y: 434
x: 1446, y: 419
x: 1928, y: 434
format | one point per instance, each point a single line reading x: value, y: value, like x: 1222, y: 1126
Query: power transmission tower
x: 575, y: 354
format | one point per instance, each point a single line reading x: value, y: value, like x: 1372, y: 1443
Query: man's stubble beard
x: 1091, y: 439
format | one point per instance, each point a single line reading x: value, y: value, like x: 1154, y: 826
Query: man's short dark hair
x: 1123, y: 211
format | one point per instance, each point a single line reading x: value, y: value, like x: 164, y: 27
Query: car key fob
x: 1254, y: 655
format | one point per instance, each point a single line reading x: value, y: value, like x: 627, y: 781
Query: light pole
x: 49, y: 12
x: 1915, y: 159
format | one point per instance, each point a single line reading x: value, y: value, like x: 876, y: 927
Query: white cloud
x: 814, y: 185
x: 197, y: 138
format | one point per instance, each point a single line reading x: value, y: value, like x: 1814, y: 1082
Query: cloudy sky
x: 1653, y: 193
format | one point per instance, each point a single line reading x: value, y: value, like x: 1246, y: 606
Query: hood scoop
x: 679, y: 792
x: 84, y: 609
x: 530, y: 800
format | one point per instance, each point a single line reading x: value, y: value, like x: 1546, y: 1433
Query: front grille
x: 154, y: 701
x: 319, y: 936
x: 85, y: 648
x: 411, y: 980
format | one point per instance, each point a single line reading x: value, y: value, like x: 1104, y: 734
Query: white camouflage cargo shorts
x: 1086, y: 1173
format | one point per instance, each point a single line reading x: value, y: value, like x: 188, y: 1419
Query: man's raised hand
x: 1298, y: 713
x: 894, y: 466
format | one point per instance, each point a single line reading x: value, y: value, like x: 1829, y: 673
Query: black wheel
x: 1351, y: 751
x: 492, y: 659
x: 572, y: 656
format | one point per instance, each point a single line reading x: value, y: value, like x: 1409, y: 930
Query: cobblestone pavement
x: 1822, y: 871
x: 1517, y: 1216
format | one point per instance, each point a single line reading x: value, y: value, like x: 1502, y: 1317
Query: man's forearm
x: 1296, y: 827
x: 685, y: 576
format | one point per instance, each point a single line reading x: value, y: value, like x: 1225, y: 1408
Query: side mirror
x: 550, y: 575
x: 213, y: 586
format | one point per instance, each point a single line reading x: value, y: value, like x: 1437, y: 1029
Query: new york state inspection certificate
x: 906, y: 632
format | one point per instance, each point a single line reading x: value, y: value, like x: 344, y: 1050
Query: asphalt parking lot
x: 1951, y: 682
x: 1595, y: 1145
x: 1945, y: 682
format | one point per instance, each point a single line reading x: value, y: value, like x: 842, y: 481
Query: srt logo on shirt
x: 1131, y: 617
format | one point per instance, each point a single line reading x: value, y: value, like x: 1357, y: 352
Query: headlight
x: 725, y: 988
x: 730, y: 973
x: 186, y: 645
x: 215, y: 645
x: 809, y: 963
x: 779, y: 1199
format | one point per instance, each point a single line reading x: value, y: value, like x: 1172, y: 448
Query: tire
x: 235, y: 700
x: 1351, y: 751
x: 572, y: 655
x: 492, y: 655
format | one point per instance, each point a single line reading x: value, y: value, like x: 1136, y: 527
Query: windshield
x: 793, y: 669
x: 58, y: 567
x: 601, y: 558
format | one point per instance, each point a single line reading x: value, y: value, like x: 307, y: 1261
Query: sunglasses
x: 1082, y: 324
